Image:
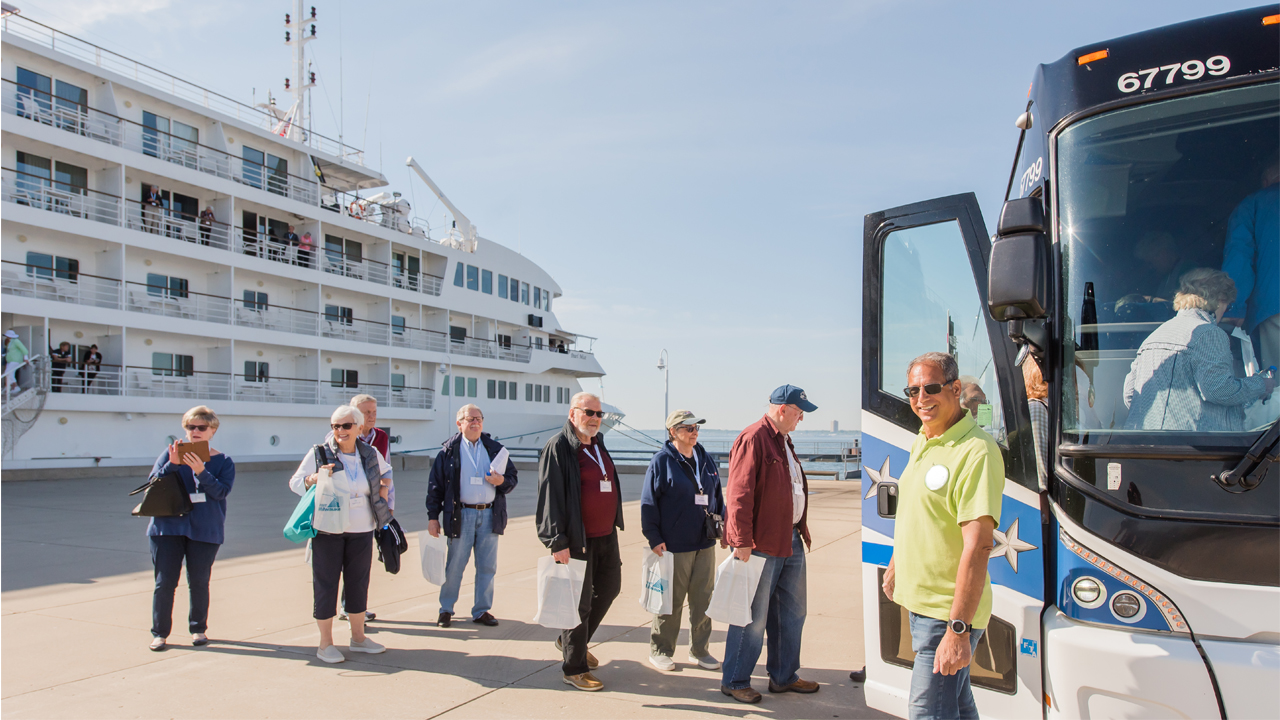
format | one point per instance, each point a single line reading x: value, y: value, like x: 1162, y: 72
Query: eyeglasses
x: 474, y: 419
x: 342, y: 426
x: 930, y: 389
x: 591, y: 413
x: 688, y: 428
x: 197, y: 428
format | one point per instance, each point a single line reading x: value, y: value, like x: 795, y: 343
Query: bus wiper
x: 1248, y: 474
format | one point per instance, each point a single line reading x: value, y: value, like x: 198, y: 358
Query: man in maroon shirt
x: 766, y: 516
x: 579, y: 515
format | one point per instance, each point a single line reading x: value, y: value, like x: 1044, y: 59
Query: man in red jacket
x: 766, y: 502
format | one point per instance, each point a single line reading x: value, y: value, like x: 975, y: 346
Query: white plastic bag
x: 559, y: 592
x: 657, y: 574
x: 435, y: 553
x: 332, y: 513
x: 736, y: 584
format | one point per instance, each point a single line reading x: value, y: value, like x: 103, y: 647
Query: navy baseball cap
x: 791, y: 395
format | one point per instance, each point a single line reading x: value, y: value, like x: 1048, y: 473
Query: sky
x: 693, y: 174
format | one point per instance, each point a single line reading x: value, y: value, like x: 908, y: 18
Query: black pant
x: 89, y: 375
x: 346, y: 557
x: 167, y: 553
x: 600, y: 586
x: 57, y: 377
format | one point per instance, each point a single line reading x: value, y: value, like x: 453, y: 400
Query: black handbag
x: 163, y: 496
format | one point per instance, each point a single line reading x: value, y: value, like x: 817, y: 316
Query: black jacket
x: 560, y: 493
x: 444, y: 488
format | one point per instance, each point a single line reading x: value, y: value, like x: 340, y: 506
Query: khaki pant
x: 695, y: 577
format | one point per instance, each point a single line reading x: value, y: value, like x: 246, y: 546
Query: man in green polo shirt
x: 948, y: 505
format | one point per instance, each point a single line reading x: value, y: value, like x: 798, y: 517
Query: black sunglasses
x: 197, y: 428
x: 592, y: 413
x: 342, y: 426
x: 930, y: 389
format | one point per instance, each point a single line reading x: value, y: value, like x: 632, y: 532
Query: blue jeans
x: 475, y: 533
x: 778, y: 609
x: 933, y: 695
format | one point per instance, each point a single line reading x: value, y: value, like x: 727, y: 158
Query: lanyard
x: 599, y: 460
x: 475, y: 455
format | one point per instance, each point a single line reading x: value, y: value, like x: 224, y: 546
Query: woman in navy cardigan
x: 195, y: 536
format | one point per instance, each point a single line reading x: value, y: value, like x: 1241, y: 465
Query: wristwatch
x: 959, y: 627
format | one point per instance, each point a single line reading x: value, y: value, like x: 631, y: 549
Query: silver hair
x: 942, y: 361
x: 347, y: 411
x: 462, y: 411
x: 361, y: 399
x: 573, y: 402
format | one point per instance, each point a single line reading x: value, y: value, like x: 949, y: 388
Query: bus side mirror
x: 887, y: 500
x: 1018, y: 282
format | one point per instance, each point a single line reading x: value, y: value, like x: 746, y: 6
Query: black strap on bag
x: 163, y: 496
x: 391, y: 544
x: 712, y: 524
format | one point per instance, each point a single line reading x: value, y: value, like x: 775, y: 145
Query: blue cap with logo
x: 791, y: 395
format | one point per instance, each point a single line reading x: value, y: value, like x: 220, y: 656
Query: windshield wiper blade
x: 1248, y: 474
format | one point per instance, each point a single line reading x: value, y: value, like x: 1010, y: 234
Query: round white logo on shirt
x: 937, y: 477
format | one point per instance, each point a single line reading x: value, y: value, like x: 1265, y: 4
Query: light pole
x: 447, y: 371
x: 665, y: 366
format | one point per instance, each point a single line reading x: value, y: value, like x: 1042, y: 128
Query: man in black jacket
x: 473, y: 499
x: 579, y: 515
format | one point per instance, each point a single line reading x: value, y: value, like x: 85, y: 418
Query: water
x: 805, y: 441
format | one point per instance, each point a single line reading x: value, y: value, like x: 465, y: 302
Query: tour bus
x: 1136, y: 568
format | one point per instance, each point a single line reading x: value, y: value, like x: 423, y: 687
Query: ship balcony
x: 45, y: 283
x: 396, y: 396
x: 419, y: 339
x: 344, y: 327
x: 185, y: 304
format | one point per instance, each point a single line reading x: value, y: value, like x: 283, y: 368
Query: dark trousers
x: 167, y: 554
x: 57, y: 378
x: 600, y: 586
x: 88, y: 380
x: 347, y: 557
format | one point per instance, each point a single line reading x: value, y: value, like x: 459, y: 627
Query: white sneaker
x: 367, y: 646
x: 706, y: 663
x: 330, y: 654
x: 662, y: 662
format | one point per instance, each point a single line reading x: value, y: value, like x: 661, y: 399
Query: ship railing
x: 45, y: 283
x: 416, y: 282
x: 23, y: 188
x: 293, y: 391
x: 79, y: 378
x: 170, y: 302
x: 473, y: 347
x: 397, y: 396
x: 515, y: 353
x: 168, y: 383
x: 408, y: 397
x: 47, y: 109
x: 177, y: 225
x: 273, y: 247
x: 347, y: 328
x: 419, y: 339
x: 337, y: 262
x: 382, y: 214
x: 41, y: 34
x: 274, y: 317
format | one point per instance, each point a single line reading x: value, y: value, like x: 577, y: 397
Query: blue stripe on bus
x: 876, y: 554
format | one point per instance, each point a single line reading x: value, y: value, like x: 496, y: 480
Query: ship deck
x: 77, y: 581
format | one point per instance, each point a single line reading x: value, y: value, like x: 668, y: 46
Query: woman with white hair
x: 346, y: 556
x: 1182, y: 377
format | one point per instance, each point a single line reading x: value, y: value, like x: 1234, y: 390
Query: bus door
x: 924, y: 290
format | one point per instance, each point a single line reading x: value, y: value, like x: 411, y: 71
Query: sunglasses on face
x: 689, y: 428
x: 591, y: 413
x: 342, y: 426
x: 930, y: 389
x: 197, y: 428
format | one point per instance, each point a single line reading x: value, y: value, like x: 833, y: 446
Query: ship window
x: 459, y: 386
x: 254, y: 300
x: 471, y: 387
x: 486, y: 282
x: 251, y: 168
x: 502, y: 389
x: 457, y: 334
x: 397, y: 325
x: 546, y: 300
x: 70, y: 178
x: 502, y: 286
x: 457, y: 276
x: 444, y: 389
x: 34, y: 173
x: 537, y: 393
x: 528, y: 392
x: 165, y: 286
x: 524, y: 293
x: 155, y: 133
x: 492, y: 387
x: 49, y: 266
x: 277, y: 174
x: 34, y: 90
x: 537, y: 342
x: 512, y: 390
x: 515, y: 290
x: 504, y: 341
x: 344, y: 378
x: 559, y: 395
x: 339, y: 314
x: 537, y: 297
x: 473, y: 277
x: 256, y: 371
x: 546, y: 393
x: 170, y: 365
x: 397, y: 381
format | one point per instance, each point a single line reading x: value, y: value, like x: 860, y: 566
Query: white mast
x: 299, y: 30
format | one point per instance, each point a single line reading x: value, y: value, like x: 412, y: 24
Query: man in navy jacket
x: 473, y: 500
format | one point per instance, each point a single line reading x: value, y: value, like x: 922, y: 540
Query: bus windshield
x: 1167, y: 221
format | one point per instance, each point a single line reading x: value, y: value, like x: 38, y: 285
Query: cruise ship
x: 225, y: 254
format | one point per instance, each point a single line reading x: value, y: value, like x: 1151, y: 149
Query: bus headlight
x: 1126, y: 605
x: 1088, y: 592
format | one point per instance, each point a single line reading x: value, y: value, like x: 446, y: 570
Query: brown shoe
x: 799, y: 686
x: 585, y: 681
x: 742, y: 695
x: 592, y: 662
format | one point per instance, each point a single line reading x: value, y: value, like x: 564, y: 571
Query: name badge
x: 477, y: 480
x: 197, y: 497
x: 700, y: 499
x: 606, y: 486
x: 358, y: 501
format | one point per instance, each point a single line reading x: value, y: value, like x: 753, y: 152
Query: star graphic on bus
x: 877, y: 476
x: 1009, y: 545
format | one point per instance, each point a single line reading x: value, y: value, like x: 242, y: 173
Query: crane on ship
x: 463, y: 235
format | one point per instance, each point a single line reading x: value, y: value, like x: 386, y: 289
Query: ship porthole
x: 275, y: 440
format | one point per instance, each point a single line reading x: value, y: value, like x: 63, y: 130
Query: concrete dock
x: 75, y: 593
